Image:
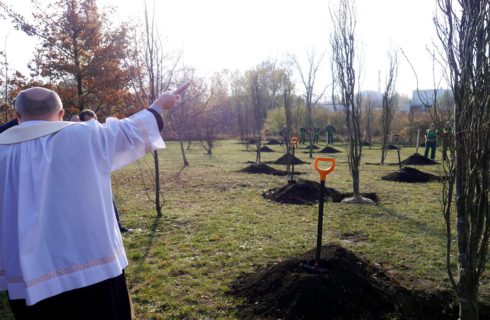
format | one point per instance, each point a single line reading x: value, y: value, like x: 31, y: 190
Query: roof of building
x: 426, y: 98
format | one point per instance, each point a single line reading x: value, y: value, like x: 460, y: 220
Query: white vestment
x: 58, y: 229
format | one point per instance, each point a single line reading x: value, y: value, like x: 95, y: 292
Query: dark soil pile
x: 264, y: 169
x: 411, y: 175
x: 292, y: 160
x: 350, y: 288
x: 307, y: 192
x: 417, y: 159
x: 329, y: 150
x: 301, y: 192
x: 266, y: 149
x: 367, y: 144
x: 273, y: 141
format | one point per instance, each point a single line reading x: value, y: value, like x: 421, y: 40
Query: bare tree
x: 463, y: 29
x: 257, y: 98
x: 210, y: 118
x: 288, y: 96
x: 263, y: 84
x: 208, y: 128
x: 344, y: 53
x: 150, y: 75
x: 368, y: 110
x: 390, y: 103
x: 182, y: 117
x: 153, y: 61
x: 4, y: 82
x: 239, y: 99
x: 308, y: 81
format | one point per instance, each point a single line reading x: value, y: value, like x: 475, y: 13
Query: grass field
x: 216, y: 226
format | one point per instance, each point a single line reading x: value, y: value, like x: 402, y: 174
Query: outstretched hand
x: 166, y: 101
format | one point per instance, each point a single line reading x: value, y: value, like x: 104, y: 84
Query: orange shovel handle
x: 294, y: 141
x: 324, y: 171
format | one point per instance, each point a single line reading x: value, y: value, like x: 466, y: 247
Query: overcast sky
x: 239, y: 34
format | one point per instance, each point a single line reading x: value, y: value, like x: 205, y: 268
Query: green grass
x: 216, y: 226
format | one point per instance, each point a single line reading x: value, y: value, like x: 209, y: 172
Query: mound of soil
x: 266, y: 149
x: 349, y: 288
x: 307, y: 192
x: 263, y: 168
x: 417, y: 159
x: 391, y: 147
x: 292, y: 160
x: 301, y: 192
x: 273, y: 141
x: 411, y: 175
x: 329, y: 150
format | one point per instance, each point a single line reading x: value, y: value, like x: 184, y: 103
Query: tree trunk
x: 310, y: 125
x: 383, y: 150
x: 79, y: 78
x: 468, y: 296
x: 355, y: 181
x: 411, y: 129
x: 258, y: 145
x: 182, y: 149
x: 468, y: 286
x: 158, y: 205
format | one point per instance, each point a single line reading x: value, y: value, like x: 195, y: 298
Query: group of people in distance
x: 61, y: 250
x: 444, y: 136
x: 304, y: 134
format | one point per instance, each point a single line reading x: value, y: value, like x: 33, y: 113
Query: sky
x: 239, y: 34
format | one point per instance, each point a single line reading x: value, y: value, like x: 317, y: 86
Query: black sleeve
x: 8, y: 125
x: 158, y: 118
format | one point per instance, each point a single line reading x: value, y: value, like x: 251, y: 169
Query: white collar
x: 30, y: 130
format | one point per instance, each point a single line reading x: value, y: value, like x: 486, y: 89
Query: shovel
x: 294, y: 144
x: 395, y: 138
x: 323, y: 176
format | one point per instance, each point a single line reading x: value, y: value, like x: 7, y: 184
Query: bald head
x: 38, y: 104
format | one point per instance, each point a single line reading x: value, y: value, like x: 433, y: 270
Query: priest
x: 61, y: 253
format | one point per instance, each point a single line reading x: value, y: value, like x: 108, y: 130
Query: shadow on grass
x: 148, y: 246
x: 177, y: 175
x: 420, y: 226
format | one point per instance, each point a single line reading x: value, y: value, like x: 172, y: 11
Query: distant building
x: 328, y: 105
x: 423, y: 99
x: 375, y: 98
